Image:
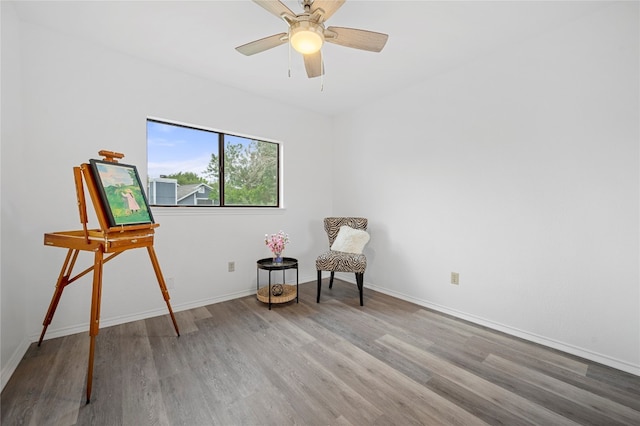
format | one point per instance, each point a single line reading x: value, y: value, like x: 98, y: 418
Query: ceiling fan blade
x: 313, y: 64
x: 275, y: 7
x: 357, y: 39
x: 263, y: 44
x: 328, y: 6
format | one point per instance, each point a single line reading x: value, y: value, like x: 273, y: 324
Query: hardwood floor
x: 387, y: 363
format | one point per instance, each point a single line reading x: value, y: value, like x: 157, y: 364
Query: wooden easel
x: 110, y: 241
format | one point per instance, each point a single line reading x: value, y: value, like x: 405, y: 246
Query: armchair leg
x: 319, y: 285
x: 360, y: 283
x: 331, y: 280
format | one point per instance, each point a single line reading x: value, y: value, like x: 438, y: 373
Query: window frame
x: 221, y: 178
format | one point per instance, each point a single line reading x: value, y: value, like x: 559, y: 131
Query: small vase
x: 277, y: 258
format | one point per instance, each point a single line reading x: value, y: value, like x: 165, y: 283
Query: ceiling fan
x: 307, y: 33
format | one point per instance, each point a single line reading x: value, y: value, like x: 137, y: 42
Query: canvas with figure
x: 121, y: 193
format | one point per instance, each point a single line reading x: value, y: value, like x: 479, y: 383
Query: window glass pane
x: 178, y: 160
x: 250, y: 172
x: 184, y: 168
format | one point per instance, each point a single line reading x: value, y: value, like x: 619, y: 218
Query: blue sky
x: 173, y: 149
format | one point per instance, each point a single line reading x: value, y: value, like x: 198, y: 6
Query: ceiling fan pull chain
x: 289, y: 44
x: 321, y: 72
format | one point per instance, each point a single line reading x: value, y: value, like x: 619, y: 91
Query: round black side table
x: 289, y: 292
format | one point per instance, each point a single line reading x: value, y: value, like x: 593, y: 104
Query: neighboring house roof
x: 186, y: 190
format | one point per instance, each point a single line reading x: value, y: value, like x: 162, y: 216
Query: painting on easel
x: 121, y: 192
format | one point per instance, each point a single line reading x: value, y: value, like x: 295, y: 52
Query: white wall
x: 520, y: 171
x: 13, y: 317
x: 79, y: 98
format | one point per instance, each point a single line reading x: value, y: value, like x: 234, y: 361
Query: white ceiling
x: 199, y: 37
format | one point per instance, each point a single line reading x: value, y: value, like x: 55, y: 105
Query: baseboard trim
x: 108, y: 322
x: 554, y: 344
x: 12, y: 364
x: 53, y: 333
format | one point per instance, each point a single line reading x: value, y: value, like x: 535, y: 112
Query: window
x: 188, y: 166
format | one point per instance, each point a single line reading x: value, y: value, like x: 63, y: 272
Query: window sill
x: 177, y: 211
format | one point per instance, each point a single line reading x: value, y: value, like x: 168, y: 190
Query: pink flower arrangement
x: 276, y: 242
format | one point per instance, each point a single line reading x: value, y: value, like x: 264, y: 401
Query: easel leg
x: 163, y: 287
x: 63, y: 280
x: 94, y: 326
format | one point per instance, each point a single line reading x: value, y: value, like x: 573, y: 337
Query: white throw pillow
x: 350, y: 240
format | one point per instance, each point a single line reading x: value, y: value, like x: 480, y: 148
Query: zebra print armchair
x: 338, y: 261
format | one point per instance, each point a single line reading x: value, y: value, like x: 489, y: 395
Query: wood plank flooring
x: 334, y: 363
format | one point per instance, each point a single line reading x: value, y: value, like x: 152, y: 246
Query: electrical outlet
x: 455, y: 278
x: 171, y: 283
x: 232, y: 266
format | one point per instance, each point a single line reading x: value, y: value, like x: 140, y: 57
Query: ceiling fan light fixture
x: 306, y: 37
x: 306, y: 33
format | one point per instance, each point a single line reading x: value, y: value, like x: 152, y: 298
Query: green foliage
x: 187, y: 178
x: 212, y: 172
x: 250, y: 174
